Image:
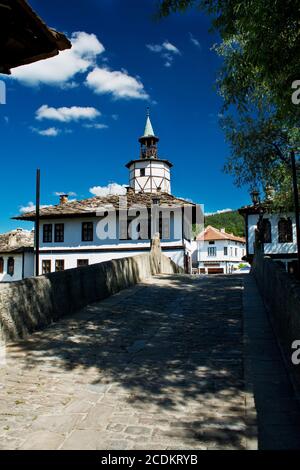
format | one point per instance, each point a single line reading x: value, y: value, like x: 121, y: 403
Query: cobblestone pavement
x: 158, y: 366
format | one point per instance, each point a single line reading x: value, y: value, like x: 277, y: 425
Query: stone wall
x: 281, y: 295
x: 33, y: 303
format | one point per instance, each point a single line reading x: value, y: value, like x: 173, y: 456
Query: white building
x: 16, y: 255
x: 78, y: 233
x: 219, y: 252
x: 277, y: 234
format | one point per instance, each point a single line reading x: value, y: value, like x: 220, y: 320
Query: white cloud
x: 155, y: 47
x: 95, y: 126
x: 195, y: 41
x: 30, y: 207
x: 171, y: 48
x: 169, y: 60
x: 50, y: 132
x: 221, y: 211
x: 165, y: 46
x: 167, y: 51
x: 61, y: 69
x: 118, y: 83
x: 110, y: 189
x: 74, y: 113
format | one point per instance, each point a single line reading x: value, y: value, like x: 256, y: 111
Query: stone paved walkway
x: 158, y: 366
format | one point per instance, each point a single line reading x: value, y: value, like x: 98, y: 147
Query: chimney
x: 12, y: 239
x: 63, y: 198
x: 156, y: 200
x: 222, y: 230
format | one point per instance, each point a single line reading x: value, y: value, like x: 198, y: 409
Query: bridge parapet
x: 281, y: 296
x: 32, y: 304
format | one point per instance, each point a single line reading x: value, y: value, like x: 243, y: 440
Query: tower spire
x: 148, y: 132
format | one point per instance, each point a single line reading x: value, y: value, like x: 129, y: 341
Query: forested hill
x: 233, y: 222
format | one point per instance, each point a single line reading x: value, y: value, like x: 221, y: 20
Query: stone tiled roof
x: 16, y: 241
x: 88, y: 207
x: 212, y: 233
x: 25, y: 38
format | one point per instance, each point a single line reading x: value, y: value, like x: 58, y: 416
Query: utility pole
x: 37, y: 222
x: 296, y: 202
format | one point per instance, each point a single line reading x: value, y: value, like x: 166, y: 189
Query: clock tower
x: 149, y: 174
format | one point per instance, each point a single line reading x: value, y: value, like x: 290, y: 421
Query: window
x: 266, y: 231
x: 87, y: 232
x: 142, y: 172
x: 46, y: 266
x: 82, y: 262
x: 1, y: 265
x: 59, y: 265
x: 47, y: 233
x: 212, y: 251
x: 225, y: 251
x: 235, y: 252
x: 211, y: 242
x: 59, y: 233
x: 10, y: 266
x: 285, y: 231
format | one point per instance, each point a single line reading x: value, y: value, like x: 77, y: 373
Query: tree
x: 259, y: 48
x: 232, y: 221
x: 260, y: 153
x: 261, y: 62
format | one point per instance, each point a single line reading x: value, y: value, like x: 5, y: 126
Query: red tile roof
x: 212, y: 233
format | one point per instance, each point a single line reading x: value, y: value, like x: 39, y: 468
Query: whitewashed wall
x: 29, y: 264
x: 22, y: 261
x: 70, y: 258
x: 72, y: 235
x: 274, y: 247
x: 73, y: 248
x: 220, y: 244
x: 158, y: 172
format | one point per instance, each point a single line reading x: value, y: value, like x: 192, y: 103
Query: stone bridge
x: 175, y: 362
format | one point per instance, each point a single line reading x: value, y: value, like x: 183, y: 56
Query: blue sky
x: 82, y: 128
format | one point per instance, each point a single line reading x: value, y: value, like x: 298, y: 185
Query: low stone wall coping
x: 34, y: 303
x: 281, y: 296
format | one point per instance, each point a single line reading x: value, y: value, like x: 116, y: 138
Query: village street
x: 167, y: 364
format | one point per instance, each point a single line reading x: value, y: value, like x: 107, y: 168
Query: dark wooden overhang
x: 31, y: 218
x: 22, y: 249
x: 24, y: 37
x: 85, y: 215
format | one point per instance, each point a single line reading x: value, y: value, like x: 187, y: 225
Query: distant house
x: 277, y: 233
x: 16, y: 255
x: 219, y: 252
